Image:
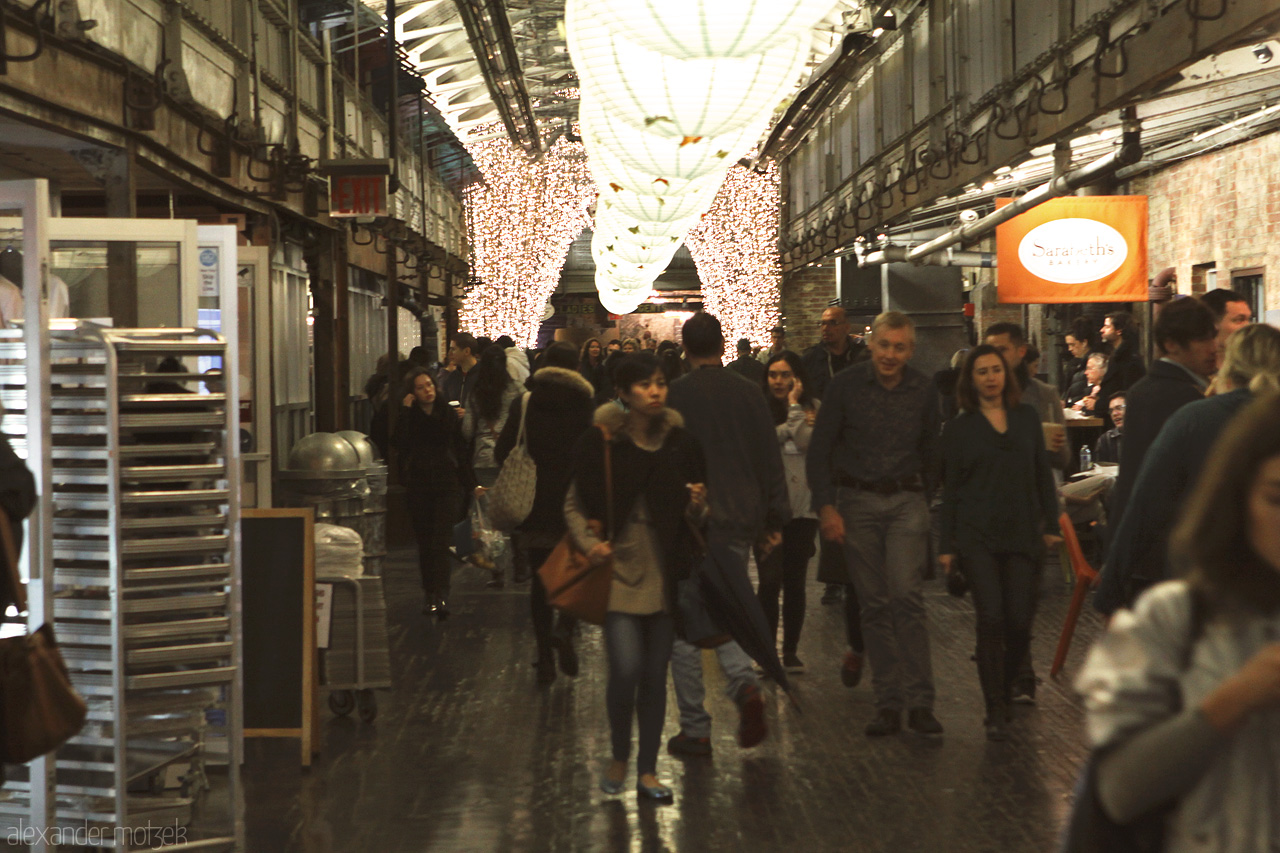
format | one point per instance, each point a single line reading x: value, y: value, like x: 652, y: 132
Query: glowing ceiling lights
x: 673, y: 93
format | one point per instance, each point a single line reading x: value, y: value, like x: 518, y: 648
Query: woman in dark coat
x: 559, y: 413
x: 999, y: 511
x: 591, y: 365
x: 659, y: 488
x: 434, y: 473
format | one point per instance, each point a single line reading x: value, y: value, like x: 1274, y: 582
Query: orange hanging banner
x: 1074, y: 249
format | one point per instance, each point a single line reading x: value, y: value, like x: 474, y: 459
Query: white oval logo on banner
x: 1073, y: 251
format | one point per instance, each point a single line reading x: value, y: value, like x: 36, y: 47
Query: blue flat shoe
x: 660, y: 794
x: 611, y: 787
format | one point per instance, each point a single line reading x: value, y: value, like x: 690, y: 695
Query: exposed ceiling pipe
x: 945, y: 258
x: 489, y: 31
x: 1129, y: 152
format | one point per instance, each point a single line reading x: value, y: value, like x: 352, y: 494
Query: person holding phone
x: 432, y: 470
x: 999, y: 513
x: 784, y: 569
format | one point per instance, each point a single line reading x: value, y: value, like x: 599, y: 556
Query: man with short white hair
x: 870, y: 467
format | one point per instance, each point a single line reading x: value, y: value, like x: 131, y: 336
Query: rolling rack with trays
x: 145, y: 573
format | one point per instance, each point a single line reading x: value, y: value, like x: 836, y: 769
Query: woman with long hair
x: 659, y: 489
x: 486, y: 412
x: 559, y: 412
x: 783, y: 572
x: 591, y: 363
x: 999, y: 511
x: 1183, y: 693
x: 433, y: 470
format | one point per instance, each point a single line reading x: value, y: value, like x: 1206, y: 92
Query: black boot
x: 991, y: 668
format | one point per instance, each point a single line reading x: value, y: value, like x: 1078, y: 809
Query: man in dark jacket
x: 1125, y: 366
x: 870, y: 464
x: 560, y: 410
x: 1186, y: 337
x: 746, y: 365
x: 837, y: 350
x: 747, y: 493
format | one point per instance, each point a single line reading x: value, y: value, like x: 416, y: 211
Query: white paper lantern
x: 656, y: 209
x: 615, y: 222
x: 662, y: 155
x: 608, y: 248
x: 679, y: 98
x: 609, y: 173
x: 688, y: 29
x: 615, y: 304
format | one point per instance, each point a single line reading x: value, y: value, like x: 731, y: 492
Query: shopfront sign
x: 1077, y: 249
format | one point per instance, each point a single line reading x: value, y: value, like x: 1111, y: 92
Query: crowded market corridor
x: 469, y: 754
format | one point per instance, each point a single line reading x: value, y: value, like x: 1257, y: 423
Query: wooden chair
x: 1086, y: 577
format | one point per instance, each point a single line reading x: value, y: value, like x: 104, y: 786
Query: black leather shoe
x: 923, y: 722
x: 682, y: 744
x: 658, y: 794
x: 887, y: 721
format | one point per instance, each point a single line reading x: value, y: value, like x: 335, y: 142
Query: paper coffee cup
x: 1051, y: 430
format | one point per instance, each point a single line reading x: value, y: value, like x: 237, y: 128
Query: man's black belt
x: 884, y: 486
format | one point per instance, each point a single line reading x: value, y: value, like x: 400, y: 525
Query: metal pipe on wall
x: 1129, y: 152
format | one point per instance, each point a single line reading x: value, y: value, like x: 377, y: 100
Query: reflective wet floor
x: 468, y: 754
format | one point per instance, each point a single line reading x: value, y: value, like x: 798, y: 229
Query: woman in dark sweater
x: 999, y: 511
x: 430, y: 446
x: 659, y: 488
x: 559, y: 413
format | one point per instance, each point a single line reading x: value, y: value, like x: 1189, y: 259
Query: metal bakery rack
x: 145, y: 607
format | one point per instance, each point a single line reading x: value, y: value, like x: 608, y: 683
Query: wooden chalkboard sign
x: 278, y: 622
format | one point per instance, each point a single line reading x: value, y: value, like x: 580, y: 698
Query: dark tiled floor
x: 468, y: 754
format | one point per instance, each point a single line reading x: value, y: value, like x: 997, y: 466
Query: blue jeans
x: 686, y: 671
x: 638, y: 648
x: 886, y: 541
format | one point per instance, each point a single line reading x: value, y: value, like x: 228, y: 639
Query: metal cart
x: 145, y: 576
x: 358, y: 660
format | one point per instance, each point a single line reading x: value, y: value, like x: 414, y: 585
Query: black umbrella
x: 719, y: 600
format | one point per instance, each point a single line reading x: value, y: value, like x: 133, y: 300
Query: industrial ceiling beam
x: 489, y: 32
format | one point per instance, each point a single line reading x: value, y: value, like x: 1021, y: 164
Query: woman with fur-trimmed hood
x: 659, y: 488
x: 560, y: 408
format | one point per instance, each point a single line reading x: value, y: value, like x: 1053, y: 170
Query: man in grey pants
x: 747, y: 495
x: 871, y: 464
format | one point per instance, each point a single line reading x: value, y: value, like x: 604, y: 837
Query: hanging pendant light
x: 664, y: 156
x: 680, y: 98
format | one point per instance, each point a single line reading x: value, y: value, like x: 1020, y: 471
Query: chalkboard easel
x: 277, y: 560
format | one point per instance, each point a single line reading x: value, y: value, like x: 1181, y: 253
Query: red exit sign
x: 358, y: 195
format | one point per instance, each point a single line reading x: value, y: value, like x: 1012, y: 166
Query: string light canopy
x: 521, y: 221
x: 735, y: 248
x: 692, y: 29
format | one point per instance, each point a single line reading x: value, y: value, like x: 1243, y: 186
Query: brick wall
x: 1221, y: 208
x: 805, y: 293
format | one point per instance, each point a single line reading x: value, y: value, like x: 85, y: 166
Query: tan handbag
x: 573, y: 585
x: 39, y: 709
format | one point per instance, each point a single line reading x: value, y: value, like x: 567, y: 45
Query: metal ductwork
x: 1128, y: 153
x: 489, y: 31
